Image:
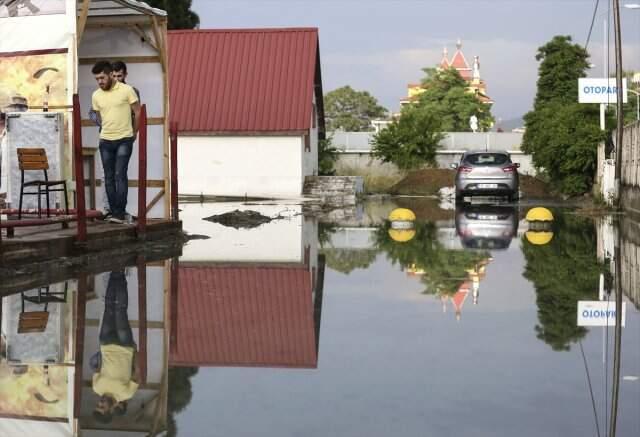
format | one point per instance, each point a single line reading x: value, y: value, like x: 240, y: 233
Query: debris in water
x: 240, y: 219
x: 189, y: 237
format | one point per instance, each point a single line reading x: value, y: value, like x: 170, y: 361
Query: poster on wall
x: 29, y: 82
x: 26, y: 8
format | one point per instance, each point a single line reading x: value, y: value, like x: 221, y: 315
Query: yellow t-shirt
x: 115, y: 110
x: 115, y: 373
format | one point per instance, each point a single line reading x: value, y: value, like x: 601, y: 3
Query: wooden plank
x: 52, y: 107
x: 126, y: 59
x: 134, y: 324
x: 143, y: 35
x: 155, y: 200
x: 82, y: 20
x: 133, y: 183
x: 151, y: 121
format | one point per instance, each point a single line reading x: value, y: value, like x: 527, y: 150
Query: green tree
x: 563, y: 272
x: 446, y: 96
x: 327, y: 157
x: 410, y: 141
x: 562, y: 135
x: 444, y: 269
x: 180, y: 394
x: 351, y: 110
x: 347, y: 260
x: 179, y: 13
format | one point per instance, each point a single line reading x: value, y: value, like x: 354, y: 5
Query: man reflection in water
x: 117, y: 373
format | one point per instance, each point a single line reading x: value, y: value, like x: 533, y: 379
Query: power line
x: 593, y: 20
x: 593, y: 401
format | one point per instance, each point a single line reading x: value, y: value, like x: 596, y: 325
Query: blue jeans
x: 115, y: 327
x: 115, y: 156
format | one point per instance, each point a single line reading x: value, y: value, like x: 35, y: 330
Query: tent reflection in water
x: 47, y: 49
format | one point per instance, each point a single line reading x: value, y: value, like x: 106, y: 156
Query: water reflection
x: 152, y: 347
x: 88, y: 355
x: 246, y: 302
x: 486, y: 226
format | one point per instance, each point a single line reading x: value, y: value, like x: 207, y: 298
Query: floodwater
x: 337, y: 324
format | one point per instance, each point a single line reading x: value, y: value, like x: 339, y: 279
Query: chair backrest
x: 33, y: 159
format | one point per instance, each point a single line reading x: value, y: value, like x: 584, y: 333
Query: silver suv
x: 486, y: 174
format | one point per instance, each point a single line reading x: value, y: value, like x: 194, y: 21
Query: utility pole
x: 618, y: 238
x: 619, y: 101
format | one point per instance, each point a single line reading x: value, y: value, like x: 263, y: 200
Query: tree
x: 446, y: 96
x: 563, y: 272
x: 410, y: 141
x: 327, y: 157
x: 562, y: 135
x: 180, y: 394
x: 179, y: 13
x: 351, y: 110
x: 444, y: 269
x: 347, y: 260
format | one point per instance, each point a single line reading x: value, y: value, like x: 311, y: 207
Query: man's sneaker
x: 114, y: 219
x: 107, y: 216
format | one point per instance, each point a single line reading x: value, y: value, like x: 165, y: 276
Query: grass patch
x: 373, y: 184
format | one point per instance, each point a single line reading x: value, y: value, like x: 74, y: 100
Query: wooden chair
x: 36, y: 321
x: 36, y: 159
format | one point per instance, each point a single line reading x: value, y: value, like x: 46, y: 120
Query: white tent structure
x: 67, y: 37
x: 47, y: 49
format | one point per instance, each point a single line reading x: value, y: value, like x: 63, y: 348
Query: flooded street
x: 333, y: 323
x: 464, y: 326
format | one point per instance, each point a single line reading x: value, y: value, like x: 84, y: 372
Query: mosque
x: 475, y: 83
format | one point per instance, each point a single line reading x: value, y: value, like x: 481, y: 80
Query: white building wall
x: 254, y: 166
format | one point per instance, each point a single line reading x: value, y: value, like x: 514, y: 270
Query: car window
x: 487, y: 159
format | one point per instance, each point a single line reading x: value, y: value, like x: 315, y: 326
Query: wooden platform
x: 37, y: 244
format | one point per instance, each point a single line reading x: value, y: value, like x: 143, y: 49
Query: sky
x: 381, y: 45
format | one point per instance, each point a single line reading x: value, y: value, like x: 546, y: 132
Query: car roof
x: 475, y: 152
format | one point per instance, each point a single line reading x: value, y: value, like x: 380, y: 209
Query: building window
x: 307, y: 142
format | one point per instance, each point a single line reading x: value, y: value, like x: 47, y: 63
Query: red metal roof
x: 240, y: 81
x: 245, y: 316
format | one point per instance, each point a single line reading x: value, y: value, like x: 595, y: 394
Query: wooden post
x: 142, y: 174
x: 81, y: 210
x: 173, y: 133
x: 81, y: 309
x: 173, y: 307
x: 142, y: 319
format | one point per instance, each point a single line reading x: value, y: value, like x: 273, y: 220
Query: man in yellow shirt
x: 113, y: 102
x: 117, y: 374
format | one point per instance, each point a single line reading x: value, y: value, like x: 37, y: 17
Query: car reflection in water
x: 482, y: 226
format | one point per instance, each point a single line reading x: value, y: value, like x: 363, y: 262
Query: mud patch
x: 240, y: 219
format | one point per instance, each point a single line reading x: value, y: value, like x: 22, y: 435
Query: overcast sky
x: 381, y: 45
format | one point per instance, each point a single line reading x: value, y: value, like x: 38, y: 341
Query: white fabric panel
x: 23, y: 428
x: 16, y: 34
x: 33, y: 129
x: 111, y: 43
x: 130, y: 7
x: 38, y: 347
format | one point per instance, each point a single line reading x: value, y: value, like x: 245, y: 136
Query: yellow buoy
x: 402, y: 235
x: 539, y: 214
x: 539, y: 238
x: 402, y: 215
